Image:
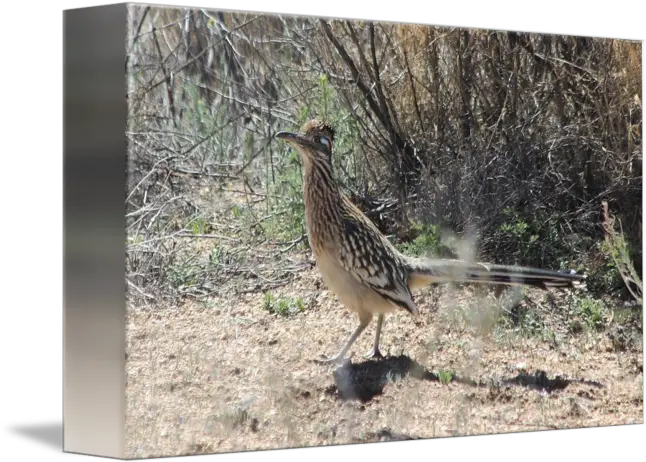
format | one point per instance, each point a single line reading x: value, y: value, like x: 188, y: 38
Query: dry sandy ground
x: 224, y: 374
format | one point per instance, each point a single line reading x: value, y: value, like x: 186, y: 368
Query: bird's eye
x: 325, y: 141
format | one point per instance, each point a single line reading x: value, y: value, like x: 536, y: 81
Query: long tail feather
x: 425, y: 272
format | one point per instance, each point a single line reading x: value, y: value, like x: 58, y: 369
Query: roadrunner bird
x: 366, y: 272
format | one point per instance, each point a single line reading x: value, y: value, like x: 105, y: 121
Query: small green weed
x: 445, y: 377
x: 283, y: 306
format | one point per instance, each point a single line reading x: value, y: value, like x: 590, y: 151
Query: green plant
x: 445, y: 377
x: 522, y: 234
x: 539, y: 238
x: 287, y: 213
x: 198, y: 225
x: 283, y: 306
x: 184, y: 275
x: 529, y: 321
x: 221, y: 255
x: 427, y: 242
x: 592, y: 312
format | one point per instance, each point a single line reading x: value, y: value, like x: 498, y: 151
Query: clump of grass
x: 283, y: 306
x: 445, y: 377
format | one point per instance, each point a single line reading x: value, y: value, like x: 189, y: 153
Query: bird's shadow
x: 365, y: 380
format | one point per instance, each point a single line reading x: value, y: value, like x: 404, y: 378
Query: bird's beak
x: 299, y: 140
x: 290, y: 137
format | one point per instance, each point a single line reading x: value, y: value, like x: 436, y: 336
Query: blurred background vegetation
x: 508, y: 142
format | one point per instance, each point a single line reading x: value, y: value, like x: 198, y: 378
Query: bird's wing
x: 369, y: 258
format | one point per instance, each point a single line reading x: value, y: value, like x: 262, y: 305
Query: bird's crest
x: 318, y: 127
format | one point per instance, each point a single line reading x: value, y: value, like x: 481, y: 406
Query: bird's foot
x: 374, y: 353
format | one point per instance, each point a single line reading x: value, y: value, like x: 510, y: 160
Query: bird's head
x: 314, y: 142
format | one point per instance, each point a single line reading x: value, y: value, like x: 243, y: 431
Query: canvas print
x: 346, y: 231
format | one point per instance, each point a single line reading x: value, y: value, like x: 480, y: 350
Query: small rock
x: 254, y: 425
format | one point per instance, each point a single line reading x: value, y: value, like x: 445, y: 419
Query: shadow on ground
x: 48, y: 434
x: 363, y: 381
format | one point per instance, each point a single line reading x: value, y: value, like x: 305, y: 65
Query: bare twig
x: 207, y: 236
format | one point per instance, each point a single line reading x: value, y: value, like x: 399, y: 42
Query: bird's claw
x: 374, y: 354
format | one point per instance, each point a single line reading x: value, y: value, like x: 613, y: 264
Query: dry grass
x: 224, y: 374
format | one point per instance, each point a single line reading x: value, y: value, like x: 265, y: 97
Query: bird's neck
x: 319, y: 183
x: 323, y: 201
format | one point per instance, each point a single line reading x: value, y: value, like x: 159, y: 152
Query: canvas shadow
x: 48, y: 434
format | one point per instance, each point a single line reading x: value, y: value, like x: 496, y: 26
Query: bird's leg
x: 364, y: 320
x: 375, y: 353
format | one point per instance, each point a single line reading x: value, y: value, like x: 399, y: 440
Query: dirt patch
x: 225, y: 374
